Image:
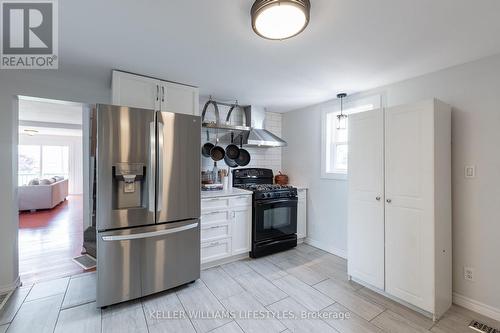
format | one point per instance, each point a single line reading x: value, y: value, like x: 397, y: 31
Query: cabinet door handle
x: 389, y: 200
x: 157, y: 92
x: 162, y: 93
x: 378, y: 198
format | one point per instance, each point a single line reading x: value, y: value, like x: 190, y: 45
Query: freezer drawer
x: 137, y: 262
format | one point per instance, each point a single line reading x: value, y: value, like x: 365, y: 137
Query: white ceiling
x: 349, y: 45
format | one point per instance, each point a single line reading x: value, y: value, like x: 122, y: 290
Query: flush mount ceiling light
x: 280, y: 19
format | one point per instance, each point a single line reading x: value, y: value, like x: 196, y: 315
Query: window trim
x: 350, y: 107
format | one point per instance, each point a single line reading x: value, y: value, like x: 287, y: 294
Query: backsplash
x: 260, y: 157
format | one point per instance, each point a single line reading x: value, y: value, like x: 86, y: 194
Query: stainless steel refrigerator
x: 147, y: 201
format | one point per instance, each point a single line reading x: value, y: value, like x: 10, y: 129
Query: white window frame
x: 351, y: 106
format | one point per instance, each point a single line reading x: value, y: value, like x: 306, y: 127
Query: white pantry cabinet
x: 399, y: 230
x: 301, y: 213
x: 225, y: 227
x: 149, y: 93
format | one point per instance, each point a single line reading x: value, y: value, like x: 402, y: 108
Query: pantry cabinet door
x: 409, y: 174
x: 366, y: 201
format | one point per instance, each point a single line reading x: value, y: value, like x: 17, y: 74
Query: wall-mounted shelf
x: 226, y: 126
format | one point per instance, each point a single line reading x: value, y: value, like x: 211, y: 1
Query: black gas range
x: 274, y: 211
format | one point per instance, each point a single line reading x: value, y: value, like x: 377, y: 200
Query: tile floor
x: 290, y: 284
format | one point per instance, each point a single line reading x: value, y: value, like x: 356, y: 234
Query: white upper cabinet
x: 366, y: 197
x: 135, y: 91
x: 179, y: 98
x: 148, y: 93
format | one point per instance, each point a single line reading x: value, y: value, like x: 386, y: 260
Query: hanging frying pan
x: 207, y: 147
x: 230, y: 163
x: 244, y: 157
x: 232, y: 150
x: 217, y: 153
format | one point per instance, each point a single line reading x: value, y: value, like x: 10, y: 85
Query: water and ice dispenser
x: 128, y: 185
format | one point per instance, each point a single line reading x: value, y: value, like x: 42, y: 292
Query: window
x: 37, y: 161
x: 334, y: 147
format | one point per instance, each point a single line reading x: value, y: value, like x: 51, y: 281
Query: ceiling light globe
x: 280, y: 19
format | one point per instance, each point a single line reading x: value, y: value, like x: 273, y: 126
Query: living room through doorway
x: 51, y: 167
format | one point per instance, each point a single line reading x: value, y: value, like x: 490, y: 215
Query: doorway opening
x: 52, y: 188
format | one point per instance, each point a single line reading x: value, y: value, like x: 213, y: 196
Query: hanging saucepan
x: 244, y: 157
x: 207, y: 147
x: 217, y: 153
x: 232, y: 150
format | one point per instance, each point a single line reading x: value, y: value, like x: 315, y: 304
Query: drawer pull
x: 214, y: 243
x: 217, y: 226
x: 215, y: 212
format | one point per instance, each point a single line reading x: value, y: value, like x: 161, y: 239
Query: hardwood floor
x: 49, y: 239
x: 68, y: 304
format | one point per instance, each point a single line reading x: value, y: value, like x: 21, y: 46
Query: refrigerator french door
x: 147, y: 202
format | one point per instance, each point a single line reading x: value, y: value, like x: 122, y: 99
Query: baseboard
x: 473, y: 305
x: 338, y: 252
x: 223, y: 261
x: 9, y: 287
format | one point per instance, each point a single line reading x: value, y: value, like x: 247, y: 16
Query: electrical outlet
x: 468, y: 273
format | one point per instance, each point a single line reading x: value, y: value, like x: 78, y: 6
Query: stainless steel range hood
x: 258, y: 136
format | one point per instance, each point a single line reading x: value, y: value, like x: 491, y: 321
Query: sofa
x: 44, y: 196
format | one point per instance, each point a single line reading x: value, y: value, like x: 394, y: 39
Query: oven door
x: 274, y: 218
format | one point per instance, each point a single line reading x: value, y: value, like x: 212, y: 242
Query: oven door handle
x: 271, y: 202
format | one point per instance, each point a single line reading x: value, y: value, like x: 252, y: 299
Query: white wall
x: 60, y: 84
x: 74, y: 143
x: 473, y: 91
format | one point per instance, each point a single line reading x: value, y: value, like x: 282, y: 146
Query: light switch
x: 470, y: 171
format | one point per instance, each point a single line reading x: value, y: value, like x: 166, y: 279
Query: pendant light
x: 341, y: 118
x: 280, y: 19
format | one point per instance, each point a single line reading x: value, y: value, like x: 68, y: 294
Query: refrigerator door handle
x: 152, y: 167
x: 159, y: 199
x: 150, y: 234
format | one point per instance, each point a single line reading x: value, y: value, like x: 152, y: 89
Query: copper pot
x: 281, y: 179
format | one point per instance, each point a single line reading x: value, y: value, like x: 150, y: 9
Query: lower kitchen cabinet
x: 241, y: 229
x: 225, y: 227
x: 301, y: 213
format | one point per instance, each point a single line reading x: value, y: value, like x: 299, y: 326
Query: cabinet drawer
x: 243, y: 200
x: 215, y: 250
x: 214, y: 216
x: 215, y: 231
x: 214, y: 203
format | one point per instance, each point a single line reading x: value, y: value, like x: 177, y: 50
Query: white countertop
x: 224, y: 193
